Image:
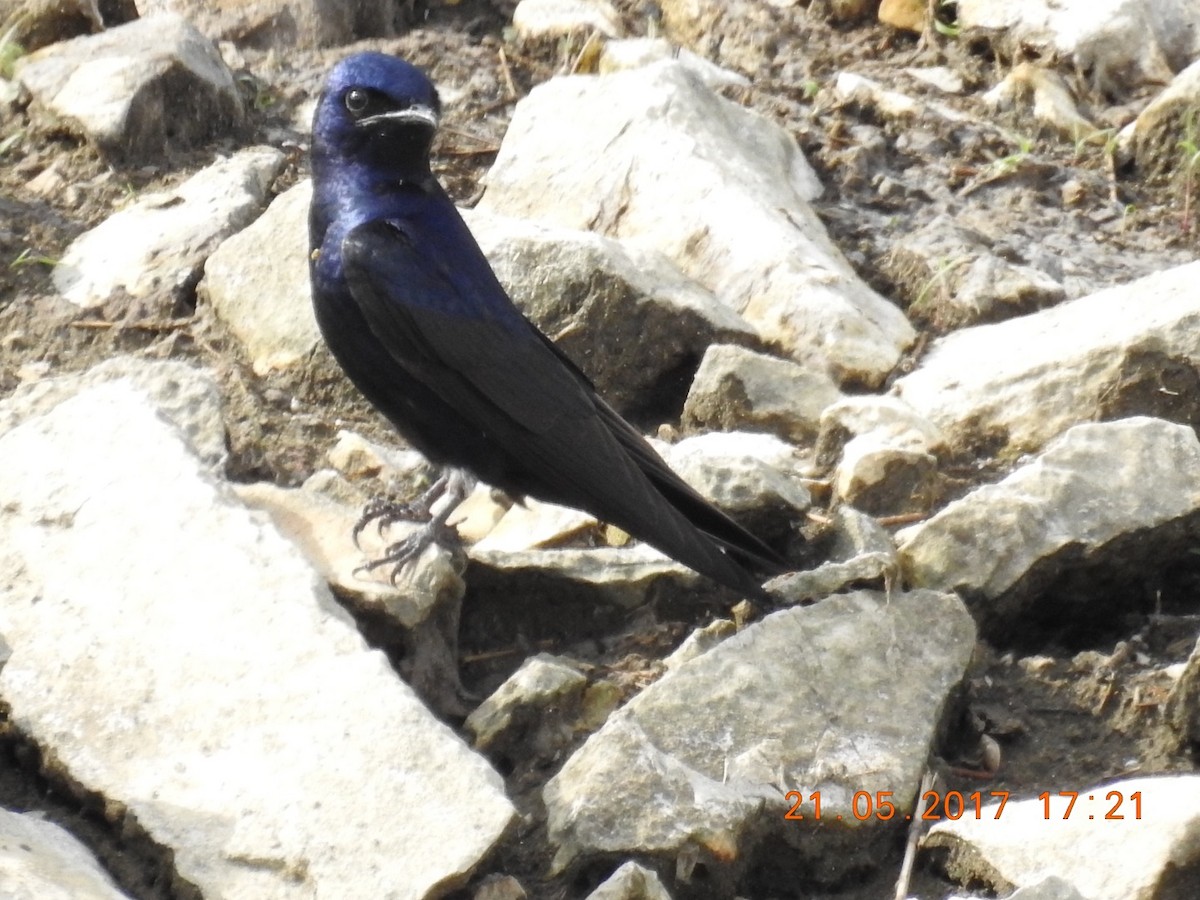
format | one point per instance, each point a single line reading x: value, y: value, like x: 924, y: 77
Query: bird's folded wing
x: 450, y: 324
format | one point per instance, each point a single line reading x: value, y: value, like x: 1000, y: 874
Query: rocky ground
x: 997, y: 189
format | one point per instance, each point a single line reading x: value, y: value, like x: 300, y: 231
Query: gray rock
x: 698, y: 765
x: 655, y: 158
x: 624, y: 577
x: 286, y: 23
x: 887, y: 416
x: 531, y: 716
x: 700, y: 641
x: 137, y: 90
x: 555, y: 18
x: 1150, y: 856
x: 1052, y: 888
x: 954, y: 279
x: 736, y: 388
x: 862, y: 552
x: 156, y: 247
x: 1009, y: 388
x: 631, y: 882
x: 499, y: 887
x: 186, y: 396
x: 41, y: 861
x: 628, y: 318
x: 882, y: 453
x: 1065, y: 535
x: 742, y: 472
x: 886, y: 477
x: 866, y: 92
x: 301, y: 764
x: 265, y: 298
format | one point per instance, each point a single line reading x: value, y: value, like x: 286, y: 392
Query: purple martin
x: 415, y: 316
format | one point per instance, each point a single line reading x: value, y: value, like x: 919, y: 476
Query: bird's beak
x: 414, y: 115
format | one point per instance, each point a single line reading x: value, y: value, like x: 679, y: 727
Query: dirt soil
x: 1065, y: 710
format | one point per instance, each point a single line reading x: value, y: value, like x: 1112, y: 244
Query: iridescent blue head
x: 376, y: 114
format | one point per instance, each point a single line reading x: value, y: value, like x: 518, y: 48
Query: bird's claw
x: 406, y: 550
x: 453, y: 485
x: 385, y: 512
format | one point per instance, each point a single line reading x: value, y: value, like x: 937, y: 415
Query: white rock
x: 137, y: 89
x: 1015, y: 385
x: 1133, y: 857
x: 625, y: 577
x: 1091, y: 486
x: 655, y: 158
x: 891, y: 104
x: 158, y: 244
x: 533, y: 524
x: 265, y: 298
x: 41, y: 861
x: 741, y: 471
x: 547, y: 18
x: 358, y: 458
x: 1053, y: 103
x: 700, y: 641
x: 1122, y: 44
x: 943, y: 78
x: 531, y: 711
x: 956, y: 279
x: 183, y: 661
x: 886, y: 415
x: 185, y: 395
x: 739, y: 34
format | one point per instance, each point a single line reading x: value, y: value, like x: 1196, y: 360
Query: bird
x: 413, y: 313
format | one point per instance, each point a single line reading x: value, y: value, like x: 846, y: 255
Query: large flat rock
x: 174, y: 654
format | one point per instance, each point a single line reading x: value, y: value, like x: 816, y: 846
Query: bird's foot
x: 436, y: 505
x: 384, y: 512
x: 406, y: 550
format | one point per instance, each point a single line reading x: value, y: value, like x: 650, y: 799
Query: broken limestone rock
x: 1069, y: 536
x: 137, y: 90
x: 652, y: 156
x: 281, y: 24
x: 739, y: 389
x: 156, y: 247
x: 185, y: 395
x: 42, y: 861
x: 627, y: 317
x: 1010, y: 387
x: 699, y: 764
x: 265, y: 298
x: 1137, y: 839
x: 184, y: 662
x: 531, y: 715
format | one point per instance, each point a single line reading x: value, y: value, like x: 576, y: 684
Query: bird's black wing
x: 431, y: 299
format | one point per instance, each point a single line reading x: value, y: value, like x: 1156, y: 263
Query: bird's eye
x: 357, y: 100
